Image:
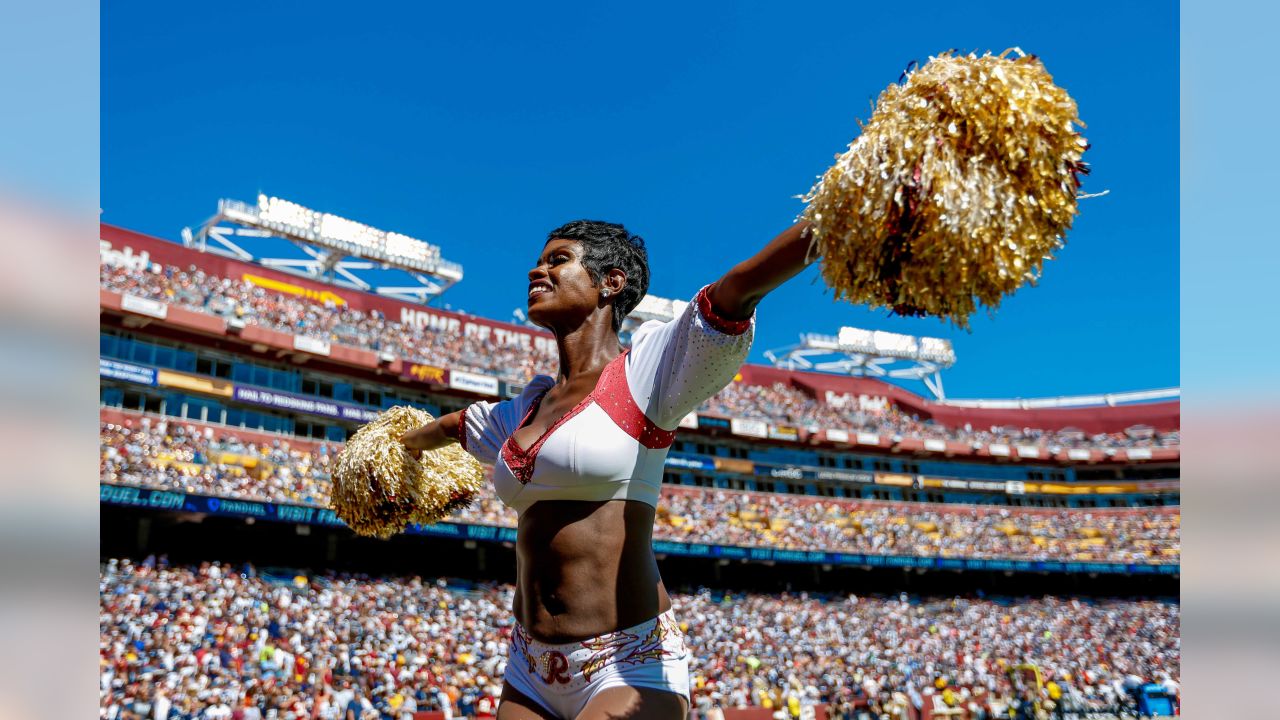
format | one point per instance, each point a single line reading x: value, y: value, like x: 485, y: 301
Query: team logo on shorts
x: 555, y: 667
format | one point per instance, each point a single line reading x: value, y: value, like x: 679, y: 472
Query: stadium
x: 839, y: 546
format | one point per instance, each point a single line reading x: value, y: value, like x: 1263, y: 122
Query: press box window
x: 366, y: 397
x: 213, y: 366
x: 317, y: 387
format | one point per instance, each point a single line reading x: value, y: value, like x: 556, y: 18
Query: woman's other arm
x: 435, y: 434
x: 736, y: 295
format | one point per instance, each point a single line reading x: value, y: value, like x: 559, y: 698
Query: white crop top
x: 613, y: 444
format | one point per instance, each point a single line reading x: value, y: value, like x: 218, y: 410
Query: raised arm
x: 736, y: 295
x: 673, y: 366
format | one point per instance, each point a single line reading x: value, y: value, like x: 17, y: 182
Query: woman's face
x: 560, y: 288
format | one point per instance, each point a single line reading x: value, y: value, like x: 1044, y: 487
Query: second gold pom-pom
x: 379, y: 488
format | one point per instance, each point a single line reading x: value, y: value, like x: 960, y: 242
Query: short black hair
x: 607, y: 246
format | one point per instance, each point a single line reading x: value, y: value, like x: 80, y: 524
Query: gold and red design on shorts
x: 624, y: 648
x: 552, y: 667
x: 520, y: 644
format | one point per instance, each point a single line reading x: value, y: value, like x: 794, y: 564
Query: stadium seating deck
x: 190, y: 457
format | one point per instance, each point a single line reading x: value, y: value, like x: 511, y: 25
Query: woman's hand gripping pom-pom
x: 379, y: 487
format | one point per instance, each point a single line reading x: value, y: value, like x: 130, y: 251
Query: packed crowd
x: 922, y: 529
x: 190, y: 458
x: 782, y: 404
x: 196, y: 290
x: 180, y: 456
x: 187, y: 643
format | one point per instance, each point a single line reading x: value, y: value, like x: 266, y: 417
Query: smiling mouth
x: 537, y: 289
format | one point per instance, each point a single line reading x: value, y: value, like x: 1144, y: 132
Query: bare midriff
x: 585, y: 568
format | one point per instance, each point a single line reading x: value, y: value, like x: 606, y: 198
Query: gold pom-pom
x: 379, y: 488
x: 961, y: 185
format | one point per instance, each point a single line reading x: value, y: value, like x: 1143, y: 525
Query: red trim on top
x: 719, y: 323
x: 613, y: 395
x: 461, y: 432
x: 519, y: 460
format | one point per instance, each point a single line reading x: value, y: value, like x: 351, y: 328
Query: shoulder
x: 535, y: 389
x: 537, y: 386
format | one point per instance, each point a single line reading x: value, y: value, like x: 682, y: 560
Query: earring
x: 605, y: 292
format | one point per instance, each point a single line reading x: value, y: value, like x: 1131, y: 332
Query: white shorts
x: 563, y: 678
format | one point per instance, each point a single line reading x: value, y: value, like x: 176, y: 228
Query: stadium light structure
x: 335, y: 249
x: 870, y: 353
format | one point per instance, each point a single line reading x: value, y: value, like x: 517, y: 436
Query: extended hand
x: 413, y: 442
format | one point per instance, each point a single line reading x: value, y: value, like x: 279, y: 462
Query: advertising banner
x: 712, y: 422
x: 302, y: 403
x: 865, y: 438
x: 287, y: 288
x: 841, y: 436
x: 859, y: 476
x: 315, y: 346
x: 959, y: 484
x: 749, y: 428
x: 735, y: 465
x: 425, y: 373
x: 690, y: 462
x: 194, y: 383
x: 947, y: 483
x: 127, y: 372
x: 894, y: 479
x: 144, y: 306
x: 784, y: 432
x: 473, y: 382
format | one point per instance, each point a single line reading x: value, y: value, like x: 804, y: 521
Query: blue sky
x: 482, y: 128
